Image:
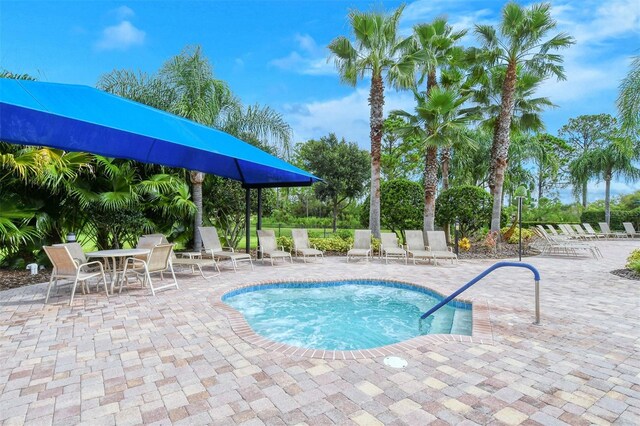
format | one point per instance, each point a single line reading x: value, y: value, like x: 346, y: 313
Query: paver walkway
x: 136, y: 359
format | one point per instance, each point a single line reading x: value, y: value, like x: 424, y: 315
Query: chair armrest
x: 230, y: 248
x: 93, y: 263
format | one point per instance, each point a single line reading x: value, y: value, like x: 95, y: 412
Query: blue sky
x: 274, y: 52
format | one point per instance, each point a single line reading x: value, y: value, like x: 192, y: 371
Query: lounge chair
x: 389, y: 247
x: 189, y: 259
x: 591, y: 231
x: 631, y: 231
x: 65, y: 267
x: 416, y: 247
x: 213, y: 248
x: 437, y: 246
x: 549, y: 244
x: 604, y: 227
x: 582, y: 233
x: 268, y: 246
x: 301, y: 245
x: 361, y: 245
x: 158, y: 261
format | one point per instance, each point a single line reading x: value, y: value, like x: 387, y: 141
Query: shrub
x: 633, y: 261
x: 401, y: 205
x: 336, y: 244
x: 464, y: 244
x: 617, y: 217
x: 469, y: 204
x: 526, y: 235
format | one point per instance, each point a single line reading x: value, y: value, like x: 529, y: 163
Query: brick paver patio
x: 135, y: 359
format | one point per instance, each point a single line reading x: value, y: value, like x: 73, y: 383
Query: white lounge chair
x: 604, y: 227
x: 268, y: 246
x: 631, y: 231
x: 582, y: 233
x: 389, y: 247
x: 158, y: 261
x: 213, y: 248
x: 437, y: 246
x: 549, y: 244
x: 592, y: 231
x: 66, y: 268
x: 416, y: 248
x: 301, y: 245
x: 189, y: 260
x: 361, y: 245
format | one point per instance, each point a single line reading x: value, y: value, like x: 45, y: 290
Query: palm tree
x: 521, y: 43
x: 438, y: 121
x: 376, y: 52
x: 615, y: 160
x: 629, y: 99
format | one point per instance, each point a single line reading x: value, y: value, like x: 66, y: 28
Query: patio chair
x: 631, y: 231
x: 361, y: 245
x: 604, y: 227
x: 189, y: 260
x: 148, y: 242
x: 213, y: 248
x: 389, y: 247
x: 268, y: 246
x: 158, y: 261
x: 582, y: 233
x: 554, y: 245
x: 301, y: 245
x: 65, y: 267
x: 591, y: 231
x: 80, y: 258
x: 437, y: 245
x: 551, y: 228
x: 416, y: 247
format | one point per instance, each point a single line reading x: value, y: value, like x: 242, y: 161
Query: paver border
x: 482, y: 332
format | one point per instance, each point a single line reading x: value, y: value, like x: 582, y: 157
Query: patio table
x: 114, y: 260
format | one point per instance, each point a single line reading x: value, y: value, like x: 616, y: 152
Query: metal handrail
x: 536, y: 277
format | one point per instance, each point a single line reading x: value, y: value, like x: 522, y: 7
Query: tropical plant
x: 469, y: 205
x: 520, y: 43
x: 629, y: 99
x: 550, y: 157
x: 400, y: 157
x: 376, y: 51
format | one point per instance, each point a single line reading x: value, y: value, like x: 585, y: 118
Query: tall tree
x: 400, y: 157
x: 585, y: 133
x: 341, y: 165
x: 629, y: 99
x: 613, y: 160
x: 520, y: 43
x: 550, y: 156
x: 376, y: 51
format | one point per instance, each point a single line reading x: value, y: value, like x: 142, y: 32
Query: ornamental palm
x: 377, y: 52
x: 439, y: 121
x: 521, y: 43
x: 629, y: 99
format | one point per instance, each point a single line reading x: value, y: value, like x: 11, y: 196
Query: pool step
x: 462, y: 320
x: 442, y: 321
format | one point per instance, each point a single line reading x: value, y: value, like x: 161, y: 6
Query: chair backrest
x: 628, y: 226
x: 565, y: 230
x: 388, y: 240
x: 149, y: 241
x: 158, y: 259
x: 362, y: 239
x: 415, y: 240
x: 163, y: 240
x: 436, y: 241
x: 267, y: 240
x: 589, y: 228
x: 76, y: 251
x: 61, y: 260
x: 210, y: 238
x: 300, y: 238
x: 552, y: 229
x: 604, y: 227
x: 578, y: 229
x: 541, y: 228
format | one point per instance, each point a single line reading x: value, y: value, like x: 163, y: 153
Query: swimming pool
x: 346, y: 315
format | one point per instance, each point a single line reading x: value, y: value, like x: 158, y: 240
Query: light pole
x: 457, y: 228
x: 521, y: 192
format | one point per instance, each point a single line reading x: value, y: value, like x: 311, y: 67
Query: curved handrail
x: 536, y: 276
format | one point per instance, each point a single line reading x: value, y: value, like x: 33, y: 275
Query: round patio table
x: 111, y: 258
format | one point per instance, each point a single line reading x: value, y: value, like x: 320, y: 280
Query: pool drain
x: 395, y: 362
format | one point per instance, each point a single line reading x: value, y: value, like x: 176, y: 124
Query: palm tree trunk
x: 539, y: 185
x: 607, y: 197
x: 584, y: 194
x: 430, y: 186
x: 445, y: 158
x: 196, y: 182
x: 335, y: 214
x: 501, y: 141
x: 376, y: 102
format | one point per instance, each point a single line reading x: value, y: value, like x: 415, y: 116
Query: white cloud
x: 120, y: 37
x: 123, y: 12
x: 307, y: 59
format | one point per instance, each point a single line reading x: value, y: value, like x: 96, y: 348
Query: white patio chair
x: 389, y: 247
x: 189, y: 260
x: 604, y: 227
x: 631, y: 231
x: 213, y: 248
x: 361, y: 245
x: 302, y: 247
x: 158, y: 261
x: 416, y: 247
x: 592, y: 231
x: 268, y: 246
x: 65, y: 267
x: 437, y: 246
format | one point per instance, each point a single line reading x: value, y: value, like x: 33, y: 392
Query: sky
x: 273, y: 52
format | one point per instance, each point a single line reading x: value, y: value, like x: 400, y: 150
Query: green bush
x: 469, y: 204
x: 401, y: 205
x: 633, y: 261
x: 336, y: 244
x: 617, y: 217
x: 526, y: 235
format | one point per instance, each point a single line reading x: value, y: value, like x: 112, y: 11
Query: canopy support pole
x: 259, y: 222
x: 247, y: 219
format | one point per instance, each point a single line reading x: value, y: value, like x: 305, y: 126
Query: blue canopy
x: 81, y: 118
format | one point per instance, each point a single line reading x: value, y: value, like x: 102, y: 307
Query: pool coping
x: 482, y: 332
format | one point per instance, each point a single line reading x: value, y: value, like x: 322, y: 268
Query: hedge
x: 617, y: 217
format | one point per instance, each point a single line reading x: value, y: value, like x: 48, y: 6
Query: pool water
x: 346, y: 315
